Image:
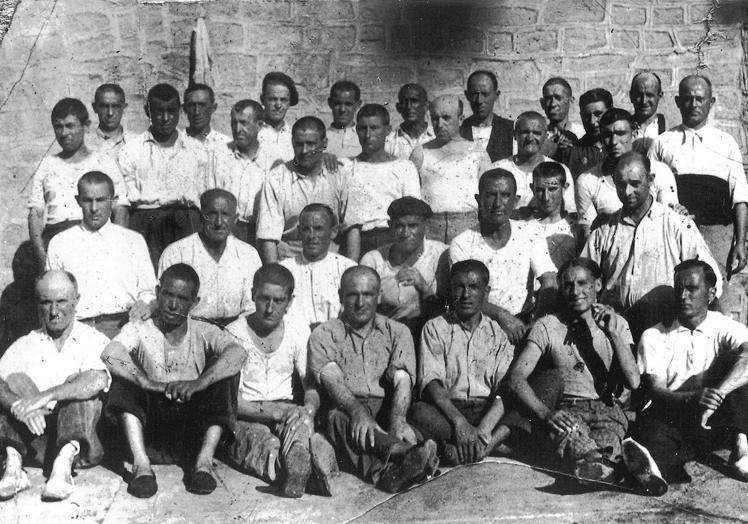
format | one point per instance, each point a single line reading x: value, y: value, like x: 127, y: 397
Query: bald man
x: 52, y: 379
x: 449, y: 167
x: 645, y: 95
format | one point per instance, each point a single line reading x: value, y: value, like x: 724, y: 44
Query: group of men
x: 296, y: 298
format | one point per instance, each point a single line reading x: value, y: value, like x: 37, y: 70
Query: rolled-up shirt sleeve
x: 322, y: 350
x: 432, y: 365
x: 651, y: 358
x: 403, y: 354
x: 270, y: 220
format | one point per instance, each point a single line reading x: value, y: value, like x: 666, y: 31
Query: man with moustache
x: 589, y: 150
x: 412, y: 103
x: 109, y: 105
x: 490, y: 132
x: 555, y: 101
x: 344, y: 102
x: 645, y: 95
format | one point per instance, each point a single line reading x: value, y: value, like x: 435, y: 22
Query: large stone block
x: 381, y: 77
x: 667, y: 15
x: 234, y: 71
x: 721, y: 75
x: 727, y: 104
x: 276, y: 38
x: 626, y: 15
x: 261, y: 10
x: 464, y: 39
x: 624, y: 39
x: 658, y: 39
x: 536, y: 41
x: 584, y: 38
x: 225, y: 36
x: 499, y: 42
x: 341, y: 38
x: 307, y: 69
x: 86, y: 22
x: 437, y: 79
x: 697, y: 12
x: 601, y: 62
x: 400, y: 38
x: 505, y: 16
x: 327, y: 10
x: 688, y: 37
x: 127, y: 25
x: 512, y: 74
x: 372, y: 36
x: 573, y: 11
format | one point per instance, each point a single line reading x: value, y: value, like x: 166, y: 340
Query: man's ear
x: 388, y: 128
x: 358, y: 105
x: 598, y: 285
x: 195, y: 302
x: 542, y: 102
x: 678, y: 101
x: 477, y: 199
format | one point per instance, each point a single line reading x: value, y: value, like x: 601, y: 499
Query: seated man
x: 555, y: 101
x: 175, y: 386
x: 316, y: 270
x: 591, y: 345
x: 375, y: 179
x: 530, y: 132
x: 638, y: 247
x: 109, y: 105
x: 52, y: 205
x: 490, y: 132
x: 365, y: 364
x: 589, y: 150
x: 464, y: 356
x: 111, y: 263
x: 412, y: 103
x: 225, y: 264
x: 199, y: 106
x: 449, y: 167
x: 344, y: 101
x: 51, y: 382
x: 410, y: 268
x: 275, y: 436
x: 695, y: 371
x: 514, y: 251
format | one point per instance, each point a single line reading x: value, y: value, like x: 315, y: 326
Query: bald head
x: 645, y: 94
x: 62, y: 281
x: 56, y: 298
x: 694, y: 100
x: 359, y: 294
x: 357, y: 273
x: 446, y: 117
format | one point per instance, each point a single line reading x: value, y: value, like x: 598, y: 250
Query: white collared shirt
x: 98, y: 140
x: 524, y: 179
x: 277, y: 141
x: 226, y: 284
x: 651, y: 130
x: 241, y: 176
x: 343, y: 143
x: 112, y: 267
x: 400, y: 144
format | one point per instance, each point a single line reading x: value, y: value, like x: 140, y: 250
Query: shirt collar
x: 655, y: 210
x: 700, y: 133
x: 298, y: 176
x: 285, y: 128
x: 452, y: 319
x: 377, y: 324
x: 179, y: 142
x: 239, y: 155
x: 74, y: 336
x: 117, y: 136
x: 428, y: 133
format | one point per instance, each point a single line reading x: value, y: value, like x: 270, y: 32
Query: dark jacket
x: 502, y: 134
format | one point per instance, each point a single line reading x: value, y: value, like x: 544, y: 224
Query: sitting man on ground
x: 111, y: 263
x: 555, y: 101
x: 589, y: 150
x: 695, y: 371
x: 344, y: 102
x: 175, y: 386
x: 316, y: 270
x: 275, y: 438
x: 51, y: 382
x: 449, y: 167
x: 225, y: 264
x: 365, y: 363
x: 412, y: 103
x: 514, y: 251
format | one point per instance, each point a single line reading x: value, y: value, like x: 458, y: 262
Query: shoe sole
x: 324, y: 462
x: 418, y: 464
x: 297, y: 470
x: 25, y: 485
x: 145, y: 495
x: 643, y: 467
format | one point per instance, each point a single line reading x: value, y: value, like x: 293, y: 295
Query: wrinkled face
x: 408, y: 232
x: 482, y: 95
x: 56, y: 301
x: 344, y: 106
x: 645, y: 97
x: 271, y: 304
x: 199, y: 109
x: 358, y: 295
x: 69, y: 132
x: 692, y: 293
x: 412, y: 106
x: 617, y: 138
x: 632, y: 185
x: 96, y: 204
x: 277, y: 99
x: 244, y: 128
x: 496, y: 201
x: 109, y: 106
x: 446, y: 120
x: 164, y: 116
x: 372, y: 133
x: 579, y: 289
x: 591, y: 115
x: 694, y: 101
x: 549, y: 194
x: 555, y: 102
x: 316, y: 231
x: 308, y: 146
x: 175, y: 299
x: 530, y: 134
x: 217, y: 219
x: 468, y: 294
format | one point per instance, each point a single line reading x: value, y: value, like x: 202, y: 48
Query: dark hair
x: 346, y: 85
x: 530, y: 115
x: 550, y: 170
x: 278, y: 78
x: 483, y: 72
x: 640, y: 74
x: 709, y: 275
x: 114, y: 88
x: 96, y: 177
x: 374, y: 110
x: 70, y: 106
x: 496, y: 174
x: 163, y: 92
x: 585, y: 263
x: 274, y: 274
x: 418, y: 87
x: 597, y: 94
x: 470, y: 266
x: 558, y: 81
x: 310, y: 122
x: 353, y: 270
x: 183, y: 272
x: 616, y: 114
x: 200, y: 87
x: 317, y: 207
x: 241, y: 105
x: 631, y: 157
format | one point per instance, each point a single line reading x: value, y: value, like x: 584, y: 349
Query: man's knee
x: 21, y: 384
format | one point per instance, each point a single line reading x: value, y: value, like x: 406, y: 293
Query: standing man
x: 109, y: 105
x: 708, y: 169
x: 645, y: 95
x: 344, y: 102
x: 199, y: 106
x: 412, y: 103
x: 51, y: 382
x: 589, y: 150
x: 492, y: 133
x: 278, y: 94
x: 165, y: 172
x: 555, y: 101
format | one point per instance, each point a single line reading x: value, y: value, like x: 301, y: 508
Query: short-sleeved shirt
x: 158, y: 175
x: 705, y: 151
x: 368, y: 360
x: 109, y: 143
x: 55, y: 185
x: 213, y: 140
x: 512, y: 268
x: 316, y: 291
x: 269, y: 376
x: 560, y: 239
x: 286, y: 192
x: 676, y: 353
x: 397, y: 300
x: 226, y: 284
x: 551, y: 336
x: 164, y: 362
x: 524, y: 179
x: 469, y: 365
x: 276, y: 142
x: 241, y: 176
x: 372, y: 187
x: 400, y: 144
x: 343, y: 143
x: 636, y: 258
x: 597, y: 196
x: 36, y: 356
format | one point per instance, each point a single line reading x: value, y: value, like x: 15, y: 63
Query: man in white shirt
x: 278, y: 94
x: 412, y: 103
x: 52, y: 379
x: 275, y: 438
x: 109, y: 105
x: 199, y: 106
x: 111, y: 263
x: 344, y: 102
x: 645, y: 95
x: 224, y: 263
x: 316, y: 271
x: 694, y: 370
x: 556, y: 100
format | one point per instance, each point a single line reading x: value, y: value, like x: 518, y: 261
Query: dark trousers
x: 599, y: 429
x: 164, y: 225
x: 174, y: 431
x: 246, y: 231
x: 675, y: 436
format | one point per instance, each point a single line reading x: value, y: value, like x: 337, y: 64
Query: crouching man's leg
x: 254, y: 450
x: 548, y: 386
x: 731, y: 419
x: 15, y: 439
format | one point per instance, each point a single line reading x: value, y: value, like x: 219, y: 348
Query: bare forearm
x: 268, y: 251
x: 625, y: 360
x: 311, y: 400
x: 81, y: 386
x: 527, y: 397
x: 228, y: 364
x: 401, y: 396
x: 121, y: 365
x: 495, y: 312
x: 437, y: 395
x: 493, y: 415
x: 7, y: 396
x: 36, y: 226
x: 741, y: 219
x: 738, y: 375
x: 353, y: 243
x: 333, y: 381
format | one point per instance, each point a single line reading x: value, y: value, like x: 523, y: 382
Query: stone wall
x: 57, y: 48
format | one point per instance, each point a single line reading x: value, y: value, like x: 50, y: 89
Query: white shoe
x: 643, y: 467
x: 740, y: 467
x: 13, y: 483
x: 57, y: 488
